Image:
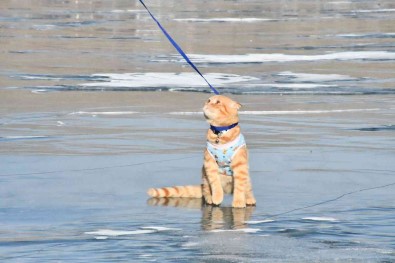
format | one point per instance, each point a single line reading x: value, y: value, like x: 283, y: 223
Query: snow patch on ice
x: 254, y: 222
x: 309, y: 77
x: 160, y: 79
x: 278, y: 57
x: 226, y: 19
x: 327, y: 219
x: 245, y: 230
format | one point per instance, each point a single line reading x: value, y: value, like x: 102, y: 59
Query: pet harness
x: 224, y: 153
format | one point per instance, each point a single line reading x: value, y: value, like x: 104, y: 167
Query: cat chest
x: 224, y: 154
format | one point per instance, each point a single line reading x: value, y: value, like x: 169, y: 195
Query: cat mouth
x: 205, y: 116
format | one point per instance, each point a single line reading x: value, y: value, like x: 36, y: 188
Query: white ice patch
x: 303, y: 112
x: 190, y: 244
x: 160, y: 79
x: 339, y: 2
x: 284, y: 112
x: 116, y: 233
x: 293, y: 86
x: 254, y: 222
x: 60, y: 123
x: 39, y: 91
x: 278, y: 57
x: 327, y: 219
x: 40, y: 77
x: 245, y: 230
x: 226, y: 19
x: 95, y: 113
x: 366, y: 35
x: 186, y: 113
x: 101, y: 237
x: 308, y: 77
x: 388, y: 10
x: 161, y: 228
x: 44, y: 27
x: 120, y: 11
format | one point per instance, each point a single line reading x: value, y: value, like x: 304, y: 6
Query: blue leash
x: 179, y: 48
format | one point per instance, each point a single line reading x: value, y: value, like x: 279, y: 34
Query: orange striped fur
x: 191, y: 191
x: 219, y: 111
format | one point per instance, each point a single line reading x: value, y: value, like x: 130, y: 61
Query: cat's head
x: 221, y: 111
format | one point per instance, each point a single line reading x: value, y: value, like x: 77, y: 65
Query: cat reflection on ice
x: 213, y: 217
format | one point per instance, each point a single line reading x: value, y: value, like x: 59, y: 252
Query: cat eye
x: 208, y: 101
x: 218, y: 102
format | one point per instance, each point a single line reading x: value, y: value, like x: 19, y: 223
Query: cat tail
x: 191, y: 191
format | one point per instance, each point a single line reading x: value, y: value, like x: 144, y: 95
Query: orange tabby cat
x: 225, y: 168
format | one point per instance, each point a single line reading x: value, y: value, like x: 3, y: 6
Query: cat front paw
x: 218, y: 197
x: 250, y: 201
x: 208, y: 200
x: 238, y: 203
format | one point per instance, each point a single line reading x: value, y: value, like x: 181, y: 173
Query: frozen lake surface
x: 92, y: 115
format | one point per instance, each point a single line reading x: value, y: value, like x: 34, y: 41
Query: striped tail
x: 191, y: 191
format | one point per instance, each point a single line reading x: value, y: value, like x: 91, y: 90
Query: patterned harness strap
x: 223, y: 154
